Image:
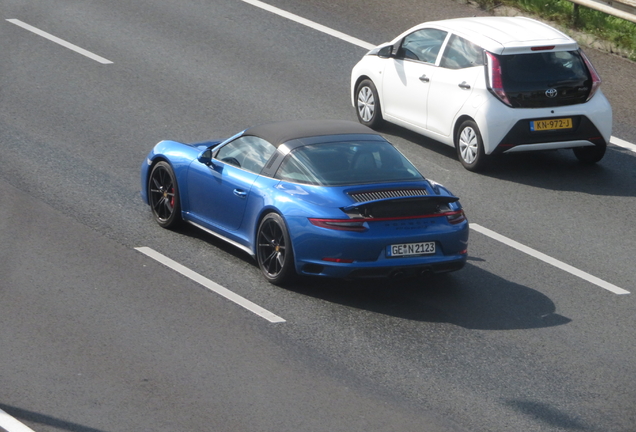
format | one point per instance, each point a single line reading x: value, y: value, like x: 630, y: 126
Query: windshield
x: 344, y: 163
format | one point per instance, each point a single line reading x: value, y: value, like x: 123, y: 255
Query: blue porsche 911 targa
x: 312, y: 197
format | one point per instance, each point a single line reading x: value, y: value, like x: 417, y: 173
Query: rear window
x: 526, y: 77
x: 342, y: 163
x: 552, y: 67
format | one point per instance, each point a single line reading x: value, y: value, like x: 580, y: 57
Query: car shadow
x: 391, y: 130
x: 549, y: 415
x: 471, y: 298
x: 559, y: 170
x: 614, y: 175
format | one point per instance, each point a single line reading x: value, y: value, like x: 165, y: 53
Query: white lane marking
x: 59, y: 41
x: 212, y: 286
x: 545, y: 258
x: 622, y: 143
x: 10, y: 424
x: 312, y: 24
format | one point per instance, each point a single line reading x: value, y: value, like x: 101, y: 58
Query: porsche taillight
x: 340, y: 224
x: 456, y: 217
x: 495, y: 82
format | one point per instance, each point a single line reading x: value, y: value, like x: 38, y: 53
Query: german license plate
x: 410, y: 249
x: 551, y: 124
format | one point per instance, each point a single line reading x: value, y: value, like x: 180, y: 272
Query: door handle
x: 424, y: 78
x: 464, y: 86
x: 240, y: 193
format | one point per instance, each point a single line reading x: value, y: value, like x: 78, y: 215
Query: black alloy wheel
x: 163, y: 195
x: 274, y: 250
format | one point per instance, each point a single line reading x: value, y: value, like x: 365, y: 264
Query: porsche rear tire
x: 274, y: 250
x: 163, y: 196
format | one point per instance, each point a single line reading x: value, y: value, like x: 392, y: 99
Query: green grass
x: 620, y: 32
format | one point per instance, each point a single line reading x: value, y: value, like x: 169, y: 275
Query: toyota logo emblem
x: 551, y: 93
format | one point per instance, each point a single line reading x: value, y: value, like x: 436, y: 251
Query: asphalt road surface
x: 536, y: 333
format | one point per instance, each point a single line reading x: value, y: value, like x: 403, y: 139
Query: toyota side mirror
x: 385, y: 52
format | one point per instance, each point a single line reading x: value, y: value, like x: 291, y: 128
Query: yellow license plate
x: 550, y: 124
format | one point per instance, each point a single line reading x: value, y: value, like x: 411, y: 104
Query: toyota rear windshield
x: 527, y: 77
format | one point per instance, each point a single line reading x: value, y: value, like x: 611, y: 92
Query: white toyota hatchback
x: 486, y: 85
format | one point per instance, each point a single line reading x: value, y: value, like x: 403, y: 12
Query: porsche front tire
x: 163, y: 195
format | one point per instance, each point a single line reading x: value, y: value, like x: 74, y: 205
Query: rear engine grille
x: 383, y: 194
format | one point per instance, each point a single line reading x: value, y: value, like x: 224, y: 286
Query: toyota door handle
x: 240, y: 193
x: 424, y: 78
x: 464, y: 86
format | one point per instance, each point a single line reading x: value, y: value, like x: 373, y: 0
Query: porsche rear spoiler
x: 431, y: 199
x: 401, y: 207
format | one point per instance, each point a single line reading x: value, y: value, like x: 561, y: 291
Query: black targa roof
x: 282, y: 132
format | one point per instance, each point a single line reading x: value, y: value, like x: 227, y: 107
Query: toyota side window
x: 460, y: 54
x: 422, y: 45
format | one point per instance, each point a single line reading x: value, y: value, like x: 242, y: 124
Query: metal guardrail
x: 625, y: 9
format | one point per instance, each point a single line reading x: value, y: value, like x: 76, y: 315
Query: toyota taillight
x: 495, y: 82
x: 596, y: 79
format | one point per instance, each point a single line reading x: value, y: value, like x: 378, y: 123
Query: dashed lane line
x: 548, y: 259
x: 309, y: 23
x: 622, y: 143
x: 59, y: 41
x: 10, y: 424
x: 212, y: 286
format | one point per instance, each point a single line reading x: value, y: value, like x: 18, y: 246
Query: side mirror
x: 206, y: 157
x: 385, y: 52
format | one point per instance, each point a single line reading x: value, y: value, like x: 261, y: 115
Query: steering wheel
x: 231, y: 161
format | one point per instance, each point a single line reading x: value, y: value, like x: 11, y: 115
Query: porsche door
x: 218, y: 192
